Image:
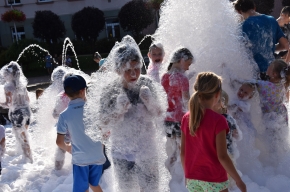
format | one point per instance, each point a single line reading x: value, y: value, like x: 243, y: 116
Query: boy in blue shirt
x: 87, y: 156
x: 264, y: 34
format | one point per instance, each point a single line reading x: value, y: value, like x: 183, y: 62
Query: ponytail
x: 196, y: 113
x: 207, y: 84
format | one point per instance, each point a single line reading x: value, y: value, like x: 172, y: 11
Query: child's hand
x: 68, y: 148
x: 145, y: 94
x: 235, y: 134
x: 242, y: 186
x: 123, y: 103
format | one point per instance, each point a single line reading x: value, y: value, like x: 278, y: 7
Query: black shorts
x: 172, y: 129
x: 20, y: 117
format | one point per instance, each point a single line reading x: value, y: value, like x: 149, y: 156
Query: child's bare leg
x: 96, y: 188
x: 25, y: 146
x: 59, y: 158
x: 225, y: 190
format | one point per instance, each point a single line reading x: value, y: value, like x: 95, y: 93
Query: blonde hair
x: 206, y: 85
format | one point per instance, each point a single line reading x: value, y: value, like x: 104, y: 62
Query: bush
x: 32, y: 55
x: 285, y: 3
x: 135, y: 16
x: 48, y: 26
x: 88, y: 23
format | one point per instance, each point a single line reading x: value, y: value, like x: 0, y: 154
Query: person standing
x: 283, y: 22
x: 68, y: 61
x: 48, y: 63
x: 263, y: 32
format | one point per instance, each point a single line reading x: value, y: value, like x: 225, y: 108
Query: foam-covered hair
x: 181, y: 53
x: 157, y: 45
x: 125, y: 51
x: 14, y: 72
x: 58, y: 73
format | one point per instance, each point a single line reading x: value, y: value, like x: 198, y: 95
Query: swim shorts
x: 203, y: 186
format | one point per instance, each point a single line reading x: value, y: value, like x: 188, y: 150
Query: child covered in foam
x: 156, y: 55
x: 275, y: 116
x: 240, y: 109
x: 234, y: 133
x: 17, y: 101
x: 128, y: 108
x: 61, y: 103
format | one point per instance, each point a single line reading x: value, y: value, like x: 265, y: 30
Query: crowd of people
x: 201, y: 130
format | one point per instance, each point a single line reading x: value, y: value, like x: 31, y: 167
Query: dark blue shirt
x: 263, y: 32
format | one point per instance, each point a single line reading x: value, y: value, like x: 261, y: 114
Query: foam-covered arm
x: 244, y: 106
x: 55, y: 114
x: 115, y: 113
x: 8, y: 102
x: 236, y: 132
x: 152, y: 105
x: 191, y: 74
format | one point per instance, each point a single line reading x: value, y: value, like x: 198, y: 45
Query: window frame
x: 13, y: 3
x: 18, y: 34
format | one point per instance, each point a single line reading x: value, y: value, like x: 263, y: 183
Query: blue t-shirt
x: 48, y: 61
x: 102, y: 61
x: 84, y: 150
x: 263, y: 32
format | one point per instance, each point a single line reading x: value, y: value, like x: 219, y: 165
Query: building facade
x: 65, y: 9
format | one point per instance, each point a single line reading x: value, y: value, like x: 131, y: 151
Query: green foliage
x: 29, y: 56
x: 135, y: 16
x: 88, y: 23
x: 48, y: 26
x: 13, y: 15
x: 285, y: 3
x: 264, y: 6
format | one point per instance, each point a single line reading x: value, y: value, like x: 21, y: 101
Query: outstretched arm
x: 111, y: 112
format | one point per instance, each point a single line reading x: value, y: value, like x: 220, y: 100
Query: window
x: 20, y: 33
x: 113, y: 28
x: 14, y: 2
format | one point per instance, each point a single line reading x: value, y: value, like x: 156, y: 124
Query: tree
x: 48, y: 26
x: 156, y: 4
x: 135, y: 16
x: 264, y: 6
x: 285, y: 3
x: 88, y: 23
